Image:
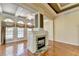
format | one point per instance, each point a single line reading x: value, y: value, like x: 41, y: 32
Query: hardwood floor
x: 54, y: 49
x: 20, y: 49
x: 62, y: 49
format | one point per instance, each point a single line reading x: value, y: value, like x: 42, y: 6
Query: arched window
x: 20, y: 22
x: 9, y: 30
x: 20, y: 33
x: 8, y: 20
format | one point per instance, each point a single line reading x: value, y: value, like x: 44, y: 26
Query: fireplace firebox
x: 40, y: 42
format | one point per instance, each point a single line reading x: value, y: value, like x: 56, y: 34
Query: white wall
x: 67, y: 28
x: 48, y: 26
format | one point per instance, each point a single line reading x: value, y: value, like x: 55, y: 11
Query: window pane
x: 20, y: 32
x: 9, y: 33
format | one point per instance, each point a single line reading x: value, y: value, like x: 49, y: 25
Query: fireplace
x: 40, y: 42
x: 37, y: 40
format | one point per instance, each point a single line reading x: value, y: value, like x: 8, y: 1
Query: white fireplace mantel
x: 33, y: 35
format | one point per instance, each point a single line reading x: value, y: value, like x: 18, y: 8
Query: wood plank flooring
x: 54, y: 49
x: 62, y: 49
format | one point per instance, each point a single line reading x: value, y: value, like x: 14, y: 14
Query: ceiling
x: 14, y: 9
x: 63, y: 4
x: 42, y: 8
x: 61, y: 7
x: 50, y: 10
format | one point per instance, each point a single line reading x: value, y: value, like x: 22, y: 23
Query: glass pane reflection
x: 9, y: 51
x: 20, y: 49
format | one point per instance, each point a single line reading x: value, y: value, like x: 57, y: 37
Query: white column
x: 15, y: 33
x: 48, y: 26
x: 25, y: 33
x: 0, y: 31
x: 1, y: 18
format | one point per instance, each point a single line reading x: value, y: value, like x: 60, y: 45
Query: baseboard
x: 66, y: 43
